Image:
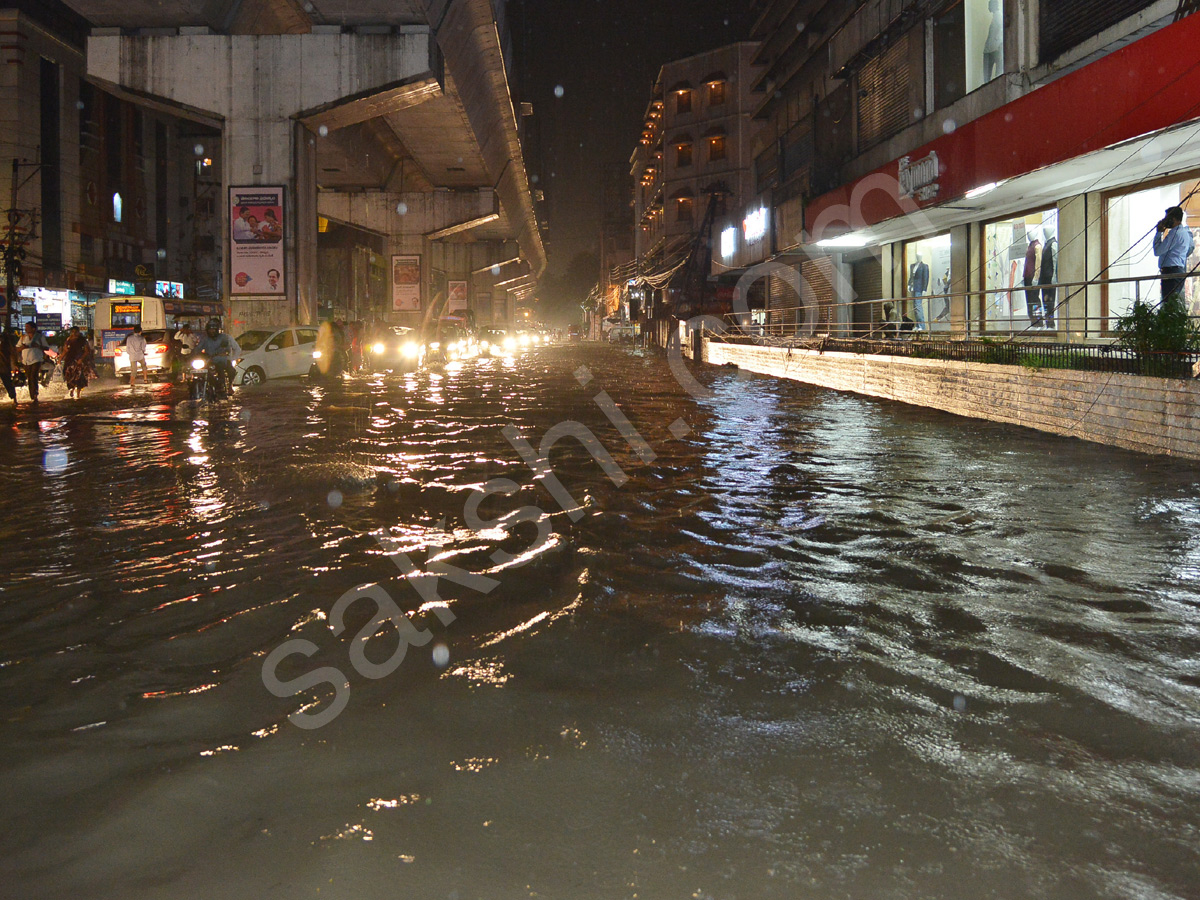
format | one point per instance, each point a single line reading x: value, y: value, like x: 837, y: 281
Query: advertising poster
x: 256, y: 241
x: 456, y: 296
x: 406, y: 284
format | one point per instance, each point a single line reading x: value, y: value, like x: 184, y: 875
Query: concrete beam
x: 374, y: 103
x: 459, y: 227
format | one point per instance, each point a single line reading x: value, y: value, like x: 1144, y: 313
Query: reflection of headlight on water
x: 411, y: 350
x: 199, y: 364
x: 377, y: 348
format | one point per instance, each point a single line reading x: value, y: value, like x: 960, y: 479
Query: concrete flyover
x: 358, y: 109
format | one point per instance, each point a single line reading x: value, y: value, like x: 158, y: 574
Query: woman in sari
x: 76, y: 362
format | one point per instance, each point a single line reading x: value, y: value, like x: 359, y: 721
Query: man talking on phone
x: 1172, y: 246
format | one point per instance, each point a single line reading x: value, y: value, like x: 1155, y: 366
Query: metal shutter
x: 782, y: 305
x: 883, y: 83
x: 1064, y: 25
x: 819, y: 293
x: 868, y: 285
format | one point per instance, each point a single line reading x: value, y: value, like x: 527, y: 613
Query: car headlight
x: 411, y: 349
x: 510, y: 343
x: 436, y: 345
x: 199, y: 364
x: 378, y: 348
x: 483, y: 345
x: 316, y: 354
x: 524, y: 339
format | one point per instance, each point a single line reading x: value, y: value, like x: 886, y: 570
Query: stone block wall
x: 1150, y: 415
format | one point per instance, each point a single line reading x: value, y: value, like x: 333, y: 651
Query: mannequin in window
x: 1046, y: 276
x: 993, y: 45
x: 918, y: 284
x: 1029, y: 277
x: 944, y: 290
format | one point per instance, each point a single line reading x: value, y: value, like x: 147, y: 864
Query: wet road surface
x: 819, y: 646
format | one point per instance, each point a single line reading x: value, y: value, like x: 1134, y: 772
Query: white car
x: 156, y: 351
x: 274, y: 353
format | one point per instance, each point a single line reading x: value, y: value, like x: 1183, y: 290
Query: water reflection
x: 820, y: 645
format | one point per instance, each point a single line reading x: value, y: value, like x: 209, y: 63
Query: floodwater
x: 818, y: 647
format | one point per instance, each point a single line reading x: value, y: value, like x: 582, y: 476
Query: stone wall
x: 1150, y: 415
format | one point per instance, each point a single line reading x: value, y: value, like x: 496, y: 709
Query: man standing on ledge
x: 1172, y: 246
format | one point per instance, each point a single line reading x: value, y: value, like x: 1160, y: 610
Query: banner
x: 406, y: 284
x: 456, y: 294
x: 256, y: 241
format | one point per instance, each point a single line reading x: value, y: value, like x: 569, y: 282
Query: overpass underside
x: 388, y: 126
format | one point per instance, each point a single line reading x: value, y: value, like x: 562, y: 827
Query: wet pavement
x: 817, y: 646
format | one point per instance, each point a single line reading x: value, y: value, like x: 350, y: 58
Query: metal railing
x: 1069, y: 325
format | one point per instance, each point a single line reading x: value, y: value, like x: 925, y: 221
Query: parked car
x: 156, y: 353
x: 274, y: 353
x: 396, y: 349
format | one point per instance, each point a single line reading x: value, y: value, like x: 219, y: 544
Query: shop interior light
x: 845, y: 241
x: 982, y: 189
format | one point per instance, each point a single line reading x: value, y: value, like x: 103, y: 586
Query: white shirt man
x: 135, y: 347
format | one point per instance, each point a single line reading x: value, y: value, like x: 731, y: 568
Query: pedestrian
x: 1172, y: 246
x: 8, y: 361
x: 135, y: 346
x: 33, y: 347
x: 77, y: 362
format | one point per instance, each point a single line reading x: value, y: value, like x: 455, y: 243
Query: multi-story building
x: 375, y: 145
x: 691, y: 163
x: 976, y: 166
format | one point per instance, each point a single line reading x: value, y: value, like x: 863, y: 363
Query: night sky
x: 605, y: 54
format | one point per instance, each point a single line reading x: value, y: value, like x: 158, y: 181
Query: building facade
x: 692, y: 163
x: 980, y: 167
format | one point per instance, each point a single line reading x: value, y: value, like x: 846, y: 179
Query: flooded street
x: 818, y: 646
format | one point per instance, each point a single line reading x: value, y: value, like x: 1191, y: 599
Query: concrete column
x: 962, y: 309
x: 1073, y: 251
x: 302, y: 262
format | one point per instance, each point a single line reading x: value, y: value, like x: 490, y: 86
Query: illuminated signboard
x: 170, y: 289
x: 120, y: 287
x: 728, y: 241
x: 754, y: 226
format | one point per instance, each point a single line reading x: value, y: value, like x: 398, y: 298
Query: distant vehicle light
x: 484, y: 344
x: 436, y: 345
x: 378, y: 348
x: 510, y: 343
x: 524, y: 339
x: 411, y: 349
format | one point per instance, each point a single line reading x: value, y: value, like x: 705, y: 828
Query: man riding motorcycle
x: 221, y: 350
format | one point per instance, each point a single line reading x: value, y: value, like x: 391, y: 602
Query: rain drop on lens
x: 323, y: 131
x: 54, y: 461
x: 558, y: 90
x: 949, y: 126
x: 334, y: 499
x: 402, y: 208
x: 441, y: 656
x: 162, y: 254
x: 198, y: 149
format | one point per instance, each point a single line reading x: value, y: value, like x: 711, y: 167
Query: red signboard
x: 1136, y: 90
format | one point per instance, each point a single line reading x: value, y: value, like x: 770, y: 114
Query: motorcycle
x: 207, y: 382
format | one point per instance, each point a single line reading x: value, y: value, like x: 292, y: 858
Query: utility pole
x: 14, y: 244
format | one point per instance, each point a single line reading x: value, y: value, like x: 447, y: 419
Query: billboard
x: 256, y: 242
x: 456, y: 296
x: 406, y: 284
x: 170, y: 289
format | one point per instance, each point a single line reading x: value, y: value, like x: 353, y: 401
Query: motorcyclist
x: 221, y: 349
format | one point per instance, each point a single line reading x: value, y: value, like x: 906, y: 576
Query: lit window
x: 716, y: 93
x: 683, y: 154
x: 117, y: 207
x: 683, y: 209
x: 683, y: 102
x: 716, y: 147
x: 728, y: 241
